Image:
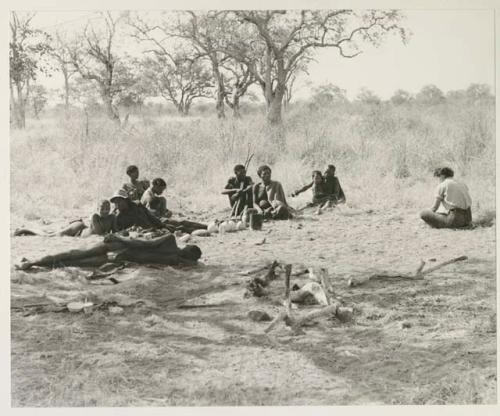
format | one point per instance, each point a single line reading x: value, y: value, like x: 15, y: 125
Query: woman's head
x: 443, y: 173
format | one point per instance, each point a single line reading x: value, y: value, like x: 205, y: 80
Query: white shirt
x: 453, y: 194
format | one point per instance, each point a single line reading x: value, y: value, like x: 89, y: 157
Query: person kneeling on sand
x: 239, y: 191
x: 452, y: 206
x: 101, y: 222
x: 320, y: 195
x: 116, y: 248
x: 153, y: 200
x: 135, y: 188
x: 269, y: 196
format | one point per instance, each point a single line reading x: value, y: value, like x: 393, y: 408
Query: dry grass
x: 157, y: 355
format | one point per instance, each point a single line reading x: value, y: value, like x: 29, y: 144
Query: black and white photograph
x: 245, y: 204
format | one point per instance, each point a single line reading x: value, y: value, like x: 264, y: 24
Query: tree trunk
x: 20, y: 107
x: 220, y: 94
x: 66, y: 88
x: 236, y: 106
x: 274, y: 109
x: 110, y: 109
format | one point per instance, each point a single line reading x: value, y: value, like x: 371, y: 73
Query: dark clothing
x: 456, y: 218
x: 136, y: 215
x: 333, y: 188
x: 239, y: 201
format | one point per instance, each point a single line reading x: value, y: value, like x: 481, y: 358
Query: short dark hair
x: 331, y: 167
x: 262, y: 169
x: 159, y: 182
x: 446, y: 172
x: 191, y: 252
x: 132, y: 168
x: 238, y: 167
x: 316, y: 173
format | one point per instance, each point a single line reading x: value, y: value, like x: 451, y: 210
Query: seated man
x: 101, y: 222
x: 239, y: 191
x: 320, y: 195
x: 153, y: 200
x: 332, y: 186
x: 269, y: 196
x: 115, y: 248
x: 452, y: 206
x: 130, y: 214
x: 135, y: 188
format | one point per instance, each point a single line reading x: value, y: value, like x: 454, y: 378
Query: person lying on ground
x: 239, y: 191
x: 318, y: 185
x: 153, y: 200
x: 115, y: 248
x: 135, y: 188
x: 269, y: 196
x: 101, y: 222
x: 332, y: 186
x: 452, y: 206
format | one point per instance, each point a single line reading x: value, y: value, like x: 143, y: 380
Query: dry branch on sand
x: 256, y: 285
x: 296, y: 322
x: 418, y: 275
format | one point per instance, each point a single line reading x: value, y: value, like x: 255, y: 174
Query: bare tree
x: 95, y: 60
x: 201, y: 32
x: 236, y: 83
x: 27, y: 49
x: 286, y: 37
x: 178, y: 79
x: 62, y: 57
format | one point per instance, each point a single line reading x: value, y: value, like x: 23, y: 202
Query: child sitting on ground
x: 153, y: 200
x: 102, y: 222
x: 320, y: 196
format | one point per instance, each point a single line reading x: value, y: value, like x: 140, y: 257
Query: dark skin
x: 160, y: 250
x: 235, y: 193
x: 134, y: 176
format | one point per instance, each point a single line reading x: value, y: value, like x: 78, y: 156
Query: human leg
x: 434, y: 219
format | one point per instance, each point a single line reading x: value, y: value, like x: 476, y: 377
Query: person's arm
x: 339, y: 192
x: 280, y: 194
x: 441, y: 191
x: 230, y: 188
x: 303, y: 189
x: 96, y: 225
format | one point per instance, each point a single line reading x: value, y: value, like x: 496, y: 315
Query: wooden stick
x: 420, y: 267
x: 444, y: 263
x: 327, y: 310
x: 288, y: 272
x: 281, y: 316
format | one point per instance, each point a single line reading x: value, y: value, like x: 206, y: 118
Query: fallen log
x: 418, y: 275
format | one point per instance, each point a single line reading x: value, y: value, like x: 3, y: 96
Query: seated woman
x: 452, y: 206
x: 320, y: 195
x: 102, y: 222
x: 115, y: 248
x: 153, y: 200
x: 239, y: 191
x: 269, y: 196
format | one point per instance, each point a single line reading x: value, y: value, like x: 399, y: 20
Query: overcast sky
x: 448, y: 48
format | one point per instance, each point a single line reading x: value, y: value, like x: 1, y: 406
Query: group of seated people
x: 268, y: 196
x: 141, y: 204
x: 138, y: 203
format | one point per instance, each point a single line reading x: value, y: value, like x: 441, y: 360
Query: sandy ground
x: 431, y: 341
